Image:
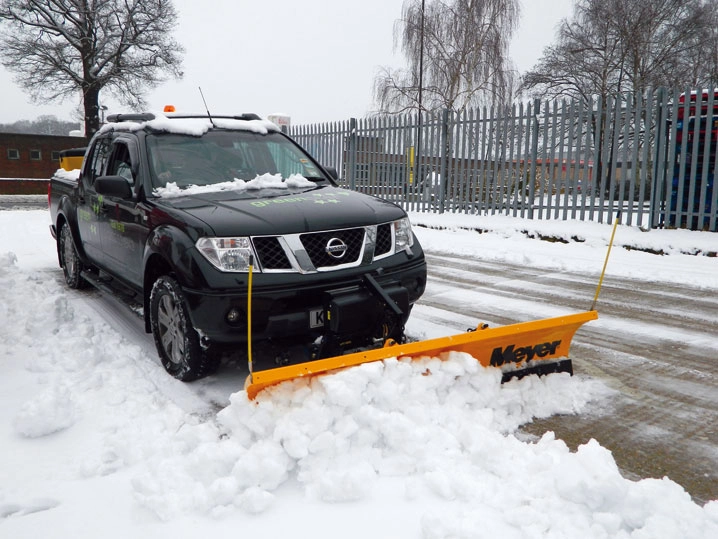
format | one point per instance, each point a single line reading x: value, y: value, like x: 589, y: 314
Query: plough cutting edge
x: 536, y: 347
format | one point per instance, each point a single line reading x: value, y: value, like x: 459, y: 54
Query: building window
x: 13, y: 153
x: 35, y: 155
x: 55, y: 156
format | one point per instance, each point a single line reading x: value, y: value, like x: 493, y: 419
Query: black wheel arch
x: 61, y: 220
x: 178, y: 343
x: 169, y: 251
x: 59, y: 223
x: 156, y: 266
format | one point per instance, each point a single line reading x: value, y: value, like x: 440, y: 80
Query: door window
x: 98, y: 160
x: 119, y: 162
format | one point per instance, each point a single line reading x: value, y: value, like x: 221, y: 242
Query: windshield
x: 222, y: 155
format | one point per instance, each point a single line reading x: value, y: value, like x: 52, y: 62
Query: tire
x: 69, y: 259
x: 176, y: 339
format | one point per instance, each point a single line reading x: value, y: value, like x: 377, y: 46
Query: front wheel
x: 176, y: 339
x: 69, y: 259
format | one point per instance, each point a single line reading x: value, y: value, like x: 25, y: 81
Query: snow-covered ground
x: 97, y: 441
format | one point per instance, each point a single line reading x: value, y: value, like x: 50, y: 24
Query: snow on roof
x: 195, y: 126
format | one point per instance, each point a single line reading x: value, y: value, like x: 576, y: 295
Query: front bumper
x: 345, y: 309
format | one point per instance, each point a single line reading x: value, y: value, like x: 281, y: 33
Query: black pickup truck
x: 219, y: 224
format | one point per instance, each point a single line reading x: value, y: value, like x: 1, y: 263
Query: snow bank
x: 657, y: 255
x: 442, y: 427
x: 96, y: 440
x: 574, y: 231
x: 428, y: 421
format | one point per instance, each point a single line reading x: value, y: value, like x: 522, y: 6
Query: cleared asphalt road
x: 655, y: 344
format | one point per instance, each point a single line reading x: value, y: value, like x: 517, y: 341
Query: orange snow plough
x: 537, y: 347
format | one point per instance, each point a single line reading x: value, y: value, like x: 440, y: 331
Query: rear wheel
x: 69, y: 259
x: 176, y: 339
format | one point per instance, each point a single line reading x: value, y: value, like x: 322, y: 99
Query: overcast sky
x: 314, y: 60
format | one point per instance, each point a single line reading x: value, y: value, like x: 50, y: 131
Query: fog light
x: 233, y: 316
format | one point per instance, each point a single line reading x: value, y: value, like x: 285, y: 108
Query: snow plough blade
x: 535, y: 347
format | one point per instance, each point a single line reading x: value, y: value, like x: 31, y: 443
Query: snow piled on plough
x: 442, y: 425
x: 536, y: 347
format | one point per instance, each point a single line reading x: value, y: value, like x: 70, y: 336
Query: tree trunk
x: 92, y: 110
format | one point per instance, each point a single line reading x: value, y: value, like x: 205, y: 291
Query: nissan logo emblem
x: 336, y: 248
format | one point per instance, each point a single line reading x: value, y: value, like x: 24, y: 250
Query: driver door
x: 122, y: 229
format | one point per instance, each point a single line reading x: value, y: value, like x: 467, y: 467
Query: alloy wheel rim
x: 68, y: 254
x: 170, y: 329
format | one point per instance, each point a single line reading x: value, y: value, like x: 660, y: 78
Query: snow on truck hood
x: 265, y: 181
x: 272, y: 206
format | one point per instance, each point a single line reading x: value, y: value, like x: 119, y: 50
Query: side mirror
x: 332, y: 172
x: 113, y: 186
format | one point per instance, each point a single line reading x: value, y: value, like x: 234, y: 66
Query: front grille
x: 270, y: 253
x: 316, y: 246
x: 324, y: 251
x: 383, y: 240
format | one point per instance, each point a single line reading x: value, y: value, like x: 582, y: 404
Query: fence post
x: 535, y: 126
x: 659, y: 165
x: 445, y: 149
x: 352, y: 153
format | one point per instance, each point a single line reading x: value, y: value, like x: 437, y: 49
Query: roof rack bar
x: 147, y: 116
x: 245, y: 116
x: 142, y: 117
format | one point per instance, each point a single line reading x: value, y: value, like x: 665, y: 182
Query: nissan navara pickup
x: 227, y: 235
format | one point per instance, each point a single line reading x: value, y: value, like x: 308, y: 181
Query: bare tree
x: 585, y: 61
x: 610, y: 46
x: 62, y: 48
x: 457, y: 51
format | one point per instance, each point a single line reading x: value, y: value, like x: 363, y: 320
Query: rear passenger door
x: 89, y: 203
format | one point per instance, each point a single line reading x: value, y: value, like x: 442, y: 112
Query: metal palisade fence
x: 650, y: 155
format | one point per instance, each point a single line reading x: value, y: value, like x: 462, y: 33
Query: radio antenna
x: 206, y: 107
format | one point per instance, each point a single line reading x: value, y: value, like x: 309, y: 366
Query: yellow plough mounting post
x: 535, y: 347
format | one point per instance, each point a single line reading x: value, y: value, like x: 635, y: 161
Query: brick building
x: 28, y: 161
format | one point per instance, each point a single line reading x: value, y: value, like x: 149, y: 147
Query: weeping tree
x: 60, y: 49
x: 457, y: 55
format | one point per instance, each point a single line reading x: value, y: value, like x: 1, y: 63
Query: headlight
x: 227, y: 254
x: 403, y: 236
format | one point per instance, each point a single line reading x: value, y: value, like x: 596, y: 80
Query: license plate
x: 316, y: 318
